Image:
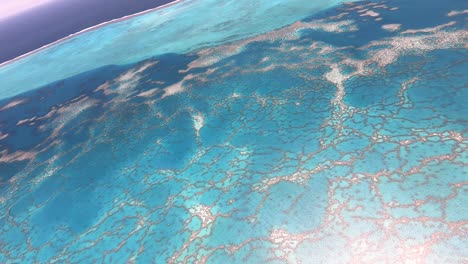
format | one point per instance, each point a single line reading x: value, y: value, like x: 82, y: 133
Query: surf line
x: 89, y: 30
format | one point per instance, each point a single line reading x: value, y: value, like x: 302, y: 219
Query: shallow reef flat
x: 337, y: 138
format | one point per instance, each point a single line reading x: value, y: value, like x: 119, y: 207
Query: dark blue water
x: 41, y: 26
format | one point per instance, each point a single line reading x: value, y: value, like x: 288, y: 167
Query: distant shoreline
x: 89, y: 29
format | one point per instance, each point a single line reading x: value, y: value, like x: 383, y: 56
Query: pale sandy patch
x: 148, y: 93
x: 391, y: 27
x: 429, y: 30
x: 456, y: 13
x: 370, y: 13
x: 3, y: 136
x: 13, y: 104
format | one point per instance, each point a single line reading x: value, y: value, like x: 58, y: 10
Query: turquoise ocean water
x: 242, y: 132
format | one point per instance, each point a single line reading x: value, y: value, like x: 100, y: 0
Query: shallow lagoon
x: 334, y: 138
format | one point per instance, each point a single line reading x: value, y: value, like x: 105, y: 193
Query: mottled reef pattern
x: 341, y: 138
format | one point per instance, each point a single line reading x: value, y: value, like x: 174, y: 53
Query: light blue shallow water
x: 180, y: 28
x: 339, y: 137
